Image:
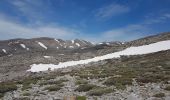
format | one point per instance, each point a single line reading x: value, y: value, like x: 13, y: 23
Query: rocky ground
x: 127, y: 78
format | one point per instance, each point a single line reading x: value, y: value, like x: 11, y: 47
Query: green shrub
x: 152, y: 78
x: 120, y: 83
x: 6, y: 87
x: 25, y: 87
x: 1, y: 95
x: 26, y: 94
x: 80, y: 98
x: 167, y: 88
x: 159, y: 95
x: 49, y: 77
x: 99, y: 91
x: 28, y: 81
x: 85, y: 87
x: 81, y: 81
x: 53, y: 88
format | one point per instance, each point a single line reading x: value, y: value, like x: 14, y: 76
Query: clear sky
x: 93, y: 20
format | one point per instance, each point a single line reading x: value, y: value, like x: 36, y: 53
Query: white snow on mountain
x: 23, y: 46
x: 4, y: 50
x: 100, y: 43
x: 72, y: 41
x: 57, y: 40
x: 78, y: 44
x: 145, y: 49
x: 42, y: 45
x: 61, y: 45
x: 27, y: 49
x: 47, y: 56
x: 108, y: 43
x: 83, y: 48
x: 71, y: 46
x: 10, y: 55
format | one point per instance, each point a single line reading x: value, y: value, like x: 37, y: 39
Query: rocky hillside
x: 137, y: 77
x: 150, y: 39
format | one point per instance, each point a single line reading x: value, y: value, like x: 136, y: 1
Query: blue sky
x: 93, y: 20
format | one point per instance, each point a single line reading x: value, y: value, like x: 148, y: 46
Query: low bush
x: 119, y: 83
x: 26, y: 94
x: 28, y: 81
x: 81, y: 81
x: 99, y: 91
x: 53, y: 88
x: 167, y: 88
x: 1, y: 95
x: 6, y: 87
x: 80, y: 98
x: 159, y: 95
x: 85, y: 87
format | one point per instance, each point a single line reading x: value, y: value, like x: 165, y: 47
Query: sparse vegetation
x: 1, y: 95
x: 99, y: 91
x: 6, y: 87
x: 52, y: 82
x: 85, y: 87
x: 53, y: 88
x: 159, y: 95
x: 100, y: 79
x: 120, y: 83
x: 26, y: 94
x: 167, y: 88
x: 81, y: 81
x: 28, y: 81
x: 80, y: 98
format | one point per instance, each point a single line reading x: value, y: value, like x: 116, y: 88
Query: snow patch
x: 23, y: 46
x: 42, y: 45
x: 71, y: 46
x: 83, y: 47
x: 145, y: 49
x: 47, y: 56
x: 72, y: 41
x: 57, y: 47
x: 4, y: 50
x: 78, y: 44
x: 9, y: 43
x: 27, y: 49
x: 57, y: 40
x: 10, y: 55
x: 108, y: 43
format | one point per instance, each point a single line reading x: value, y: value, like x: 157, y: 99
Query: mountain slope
x: 145, y: 49
x: 134, y: 70
x: 40, y: 44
